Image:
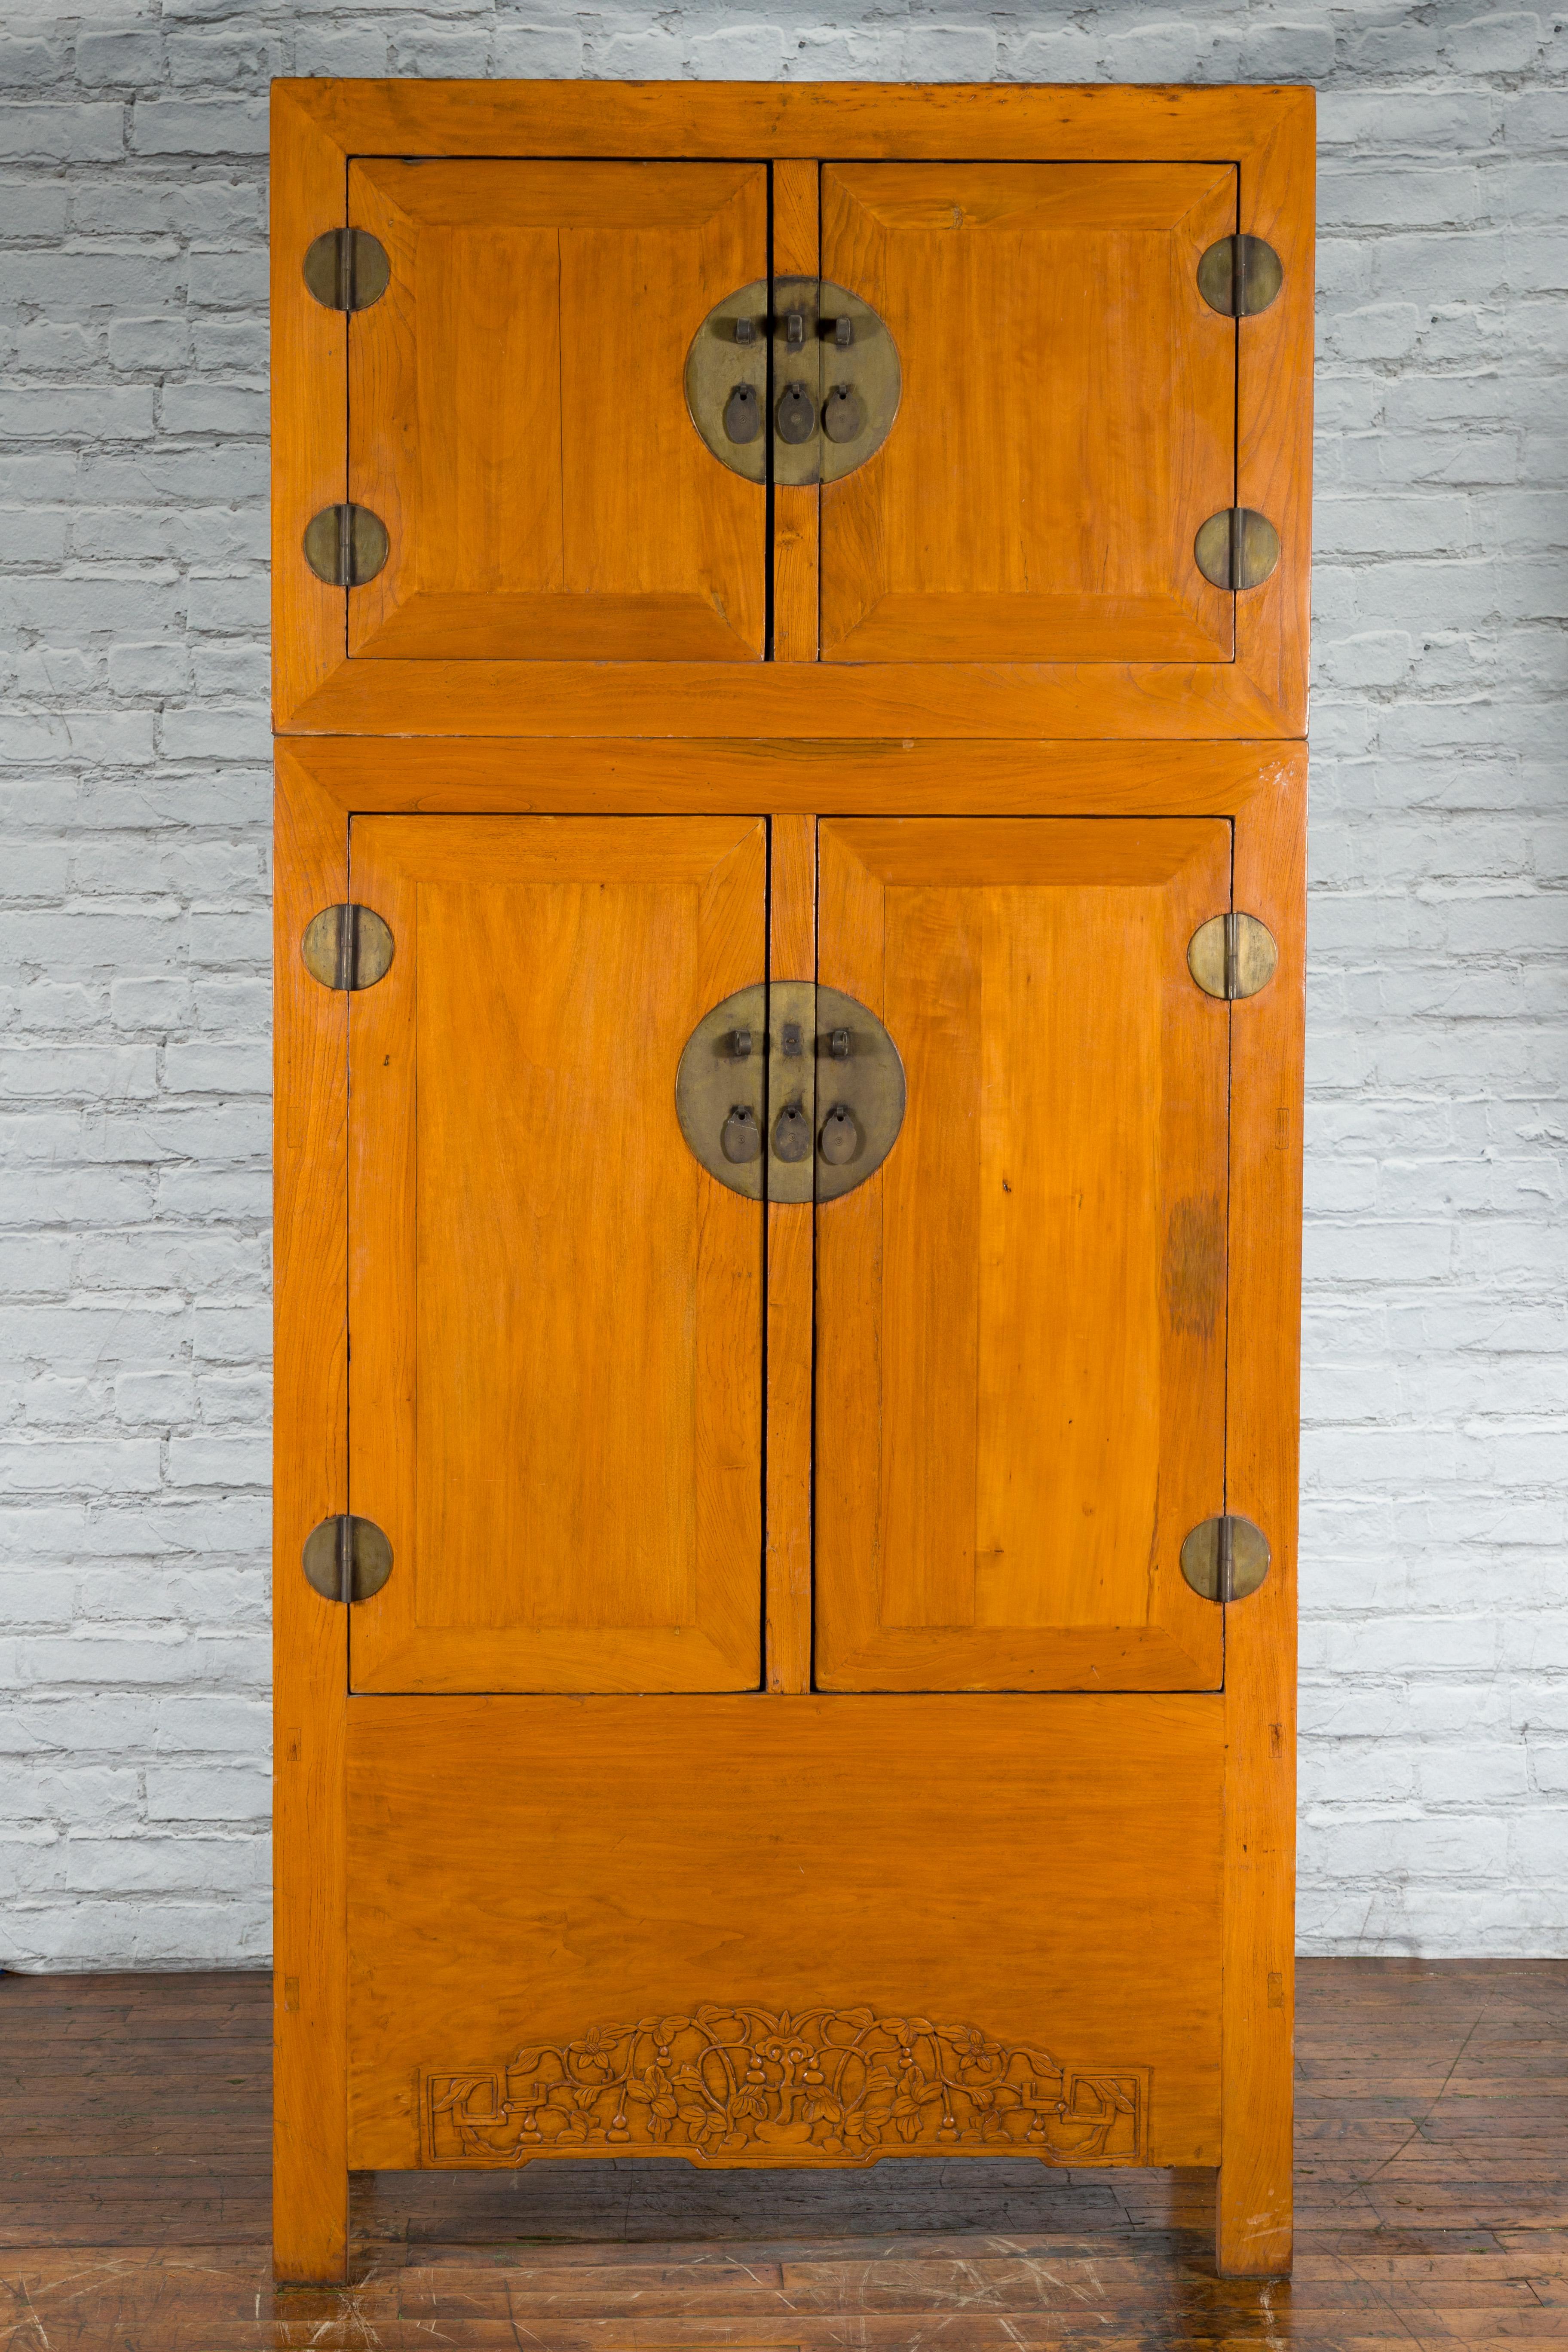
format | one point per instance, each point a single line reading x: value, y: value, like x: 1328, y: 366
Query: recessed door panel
x: 1067, y: 419
x: 517, y: 415
x: 554, y: 1314
x: 1020, y: 1349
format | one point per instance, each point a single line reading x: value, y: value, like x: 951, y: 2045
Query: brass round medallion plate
x: 1225, y: 1558
x: 720, y: 1089
x: 1231, y: 956
x: 860, y: 1093
x: 366, y: 1568
x: 799, y: 1100
x: 727, y: 380
x: 347, y: 269
x: 348, y: 946
x: 346, y: 545
x: 1237, y: 548
x: 1240, y: 276
x: 829, y: 400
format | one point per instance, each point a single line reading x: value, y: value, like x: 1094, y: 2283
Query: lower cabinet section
x: 816, y: 1931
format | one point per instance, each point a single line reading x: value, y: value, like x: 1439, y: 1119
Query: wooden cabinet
x: 780, y: 1587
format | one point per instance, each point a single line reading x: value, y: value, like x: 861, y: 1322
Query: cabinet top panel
x: 1078, y: 506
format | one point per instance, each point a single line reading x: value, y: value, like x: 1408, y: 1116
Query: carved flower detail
x: 833, y: 2084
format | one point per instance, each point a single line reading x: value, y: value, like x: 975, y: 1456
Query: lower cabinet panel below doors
x: 760, y: 1931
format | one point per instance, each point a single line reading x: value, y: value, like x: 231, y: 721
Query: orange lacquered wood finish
x: 977, y: 1862
x: 784, y: 1622
x: 1055, y: 594
x: 556, y: 1391
x: 1020, y: 1383
x: 510, y: 433
x: 1036, y: 501
x: 310, y: 1683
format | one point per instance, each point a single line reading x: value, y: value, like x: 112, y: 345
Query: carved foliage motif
x: 744, y: 2085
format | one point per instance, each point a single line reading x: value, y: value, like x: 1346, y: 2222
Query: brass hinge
x: 1225, y: 1558
x: 346, y: 545
x: 1237, y: 548
x: 1240, y: 276
x: 347, y: 947
x: 346, y: 1558
x: 347, y: 269
x: 1231, y: 956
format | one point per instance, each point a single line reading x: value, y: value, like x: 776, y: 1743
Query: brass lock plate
x: 789, y: 1093
x: 727, y: 380
x: 860, y: 1093
x: 792, y: 1089
x: 826, y: 402
x: 721, y: 1090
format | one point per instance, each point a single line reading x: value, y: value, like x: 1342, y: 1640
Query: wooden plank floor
x: 1432, y: 2178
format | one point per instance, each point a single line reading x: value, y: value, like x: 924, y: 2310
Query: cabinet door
x: 554, y: 1315
x: 1021, y: 1322
x: 517, y: 413
x: 1067, y: 419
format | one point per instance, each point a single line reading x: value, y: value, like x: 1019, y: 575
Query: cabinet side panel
x: 311, y: 1469
x: 1254, y: 2218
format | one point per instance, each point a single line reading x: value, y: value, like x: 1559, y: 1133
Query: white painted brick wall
x: 133, y: 847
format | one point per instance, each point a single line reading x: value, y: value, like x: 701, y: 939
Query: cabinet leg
x: 309, y: 2150
x: 1253, y: 2211
x: 1250, y: 2241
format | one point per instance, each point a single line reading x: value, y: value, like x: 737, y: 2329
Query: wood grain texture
x: 615, y: 1859
x: 1021, y: 1317
x: 310, y: 454
x: 541, y: 502
x: 792, y: 955
x: 1266, y: 135
x: 1067, y: 417
x: 1274, y: 408
x: 556, y: 1314
x: 1261, y: 1483
x: 796, y: 506
x: 1173, y: 702
x: 309, y: 1650
x: 988, y: 120
x: 862, y: 777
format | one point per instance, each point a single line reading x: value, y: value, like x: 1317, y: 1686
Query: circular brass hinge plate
x: 1240, y: 276
x: 346, y: 545
x: 1238, y: 548
x: 1225, y: 1558
x: 1231, y: 956
x: 346, y: 1558
x: 829, y: 400
x: 348, y: 946
x: 347, y: 269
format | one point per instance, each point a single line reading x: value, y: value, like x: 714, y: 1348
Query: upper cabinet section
x: 855, y: 410
x: 517, y: 421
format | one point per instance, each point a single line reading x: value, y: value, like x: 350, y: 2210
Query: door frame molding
x: 1267, y: 133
